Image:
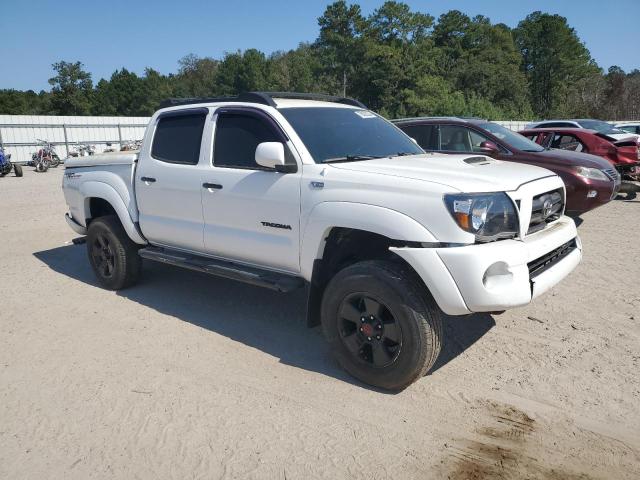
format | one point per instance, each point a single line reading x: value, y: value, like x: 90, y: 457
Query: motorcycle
x: 6, y: 165
x: 131, y: 145
x: 45, y: 157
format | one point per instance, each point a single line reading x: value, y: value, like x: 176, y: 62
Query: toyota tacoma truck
x: 288, y: 191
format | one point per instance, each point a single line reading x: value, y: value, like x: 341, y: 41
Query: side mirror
x: 489, y: 148
x: 271, y: 155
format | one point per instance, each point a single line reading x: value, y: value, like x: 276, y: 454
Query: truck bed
x: 113, y: 158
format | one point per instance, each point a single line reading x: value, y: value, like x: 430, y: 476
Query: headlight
x: 489, y: 216
x: 592, y: 173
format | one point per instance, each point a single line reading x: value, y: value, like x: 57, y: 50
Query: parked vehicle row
x: 623, y: 154
x: 296, y: 190
x: 46, y: 156
x: 594, y: 166
x: 589, y: 124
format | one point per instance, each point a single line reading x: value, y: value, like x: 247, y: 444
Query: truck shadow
x: 272, y: 322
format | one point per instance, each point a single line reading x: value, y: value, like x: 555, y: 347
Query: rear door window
x: 177, y: 138
x: 564, y: 141
x: 425, y: 135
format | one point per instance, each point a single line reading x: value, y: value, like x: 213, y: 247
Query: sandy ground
x: 188, y: 376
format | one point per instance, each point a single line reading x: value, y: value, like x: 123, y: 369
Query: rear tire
x: 17, y: 170
x: 382, y: 324
x: 112, y: 254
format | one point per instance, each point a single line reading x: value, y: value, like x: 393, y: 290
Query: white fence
x: 19, y: 134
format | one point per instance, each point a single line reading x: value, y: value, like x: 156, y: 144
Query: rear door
x: 251, y: 213
x: 168, y: 181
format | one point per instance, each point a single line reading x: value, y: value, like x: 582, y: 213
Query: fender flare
x: 361, y: 216
x: 107, y: 193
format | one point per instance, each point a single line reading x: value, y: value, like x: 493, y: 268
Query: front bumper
x: 75, y: 226
x: 496, y: 276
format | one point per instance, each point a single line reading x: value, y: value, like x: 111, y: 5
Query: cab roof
x: 271, y: 99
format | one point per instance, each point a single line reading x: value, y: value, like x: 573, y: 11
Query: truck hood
x: 466, y: 173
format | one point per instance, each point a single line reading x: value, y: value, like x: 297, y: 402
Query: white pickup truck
x: 292, y: 190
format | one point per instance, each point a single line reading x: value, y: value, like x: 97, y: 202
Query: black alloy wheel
x: 369, y: 330
x: 103, y: 256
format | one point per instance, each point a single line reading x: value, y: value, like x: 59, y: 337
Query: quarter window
x: 177, y: 138
x: 237, y: 137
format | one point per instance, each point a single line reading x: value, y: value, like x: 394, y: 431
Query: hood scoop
x: 478, y: 160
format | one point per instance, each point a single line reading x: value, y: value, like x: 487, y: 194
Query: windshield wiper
x: 351, y: 158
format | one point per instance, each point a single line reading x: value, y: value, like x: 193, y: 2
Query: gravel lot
x: 188, y: 376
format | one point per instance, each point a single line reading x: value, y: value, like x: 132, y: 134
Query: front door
x: 251, y: 213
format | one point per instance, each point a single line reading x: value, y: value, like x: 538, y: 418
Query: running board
x: 234, y: 271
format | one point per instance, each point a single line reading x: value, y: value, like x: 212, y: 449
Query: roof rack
x: 412, y: 119
x: 263, y: 98
x: 314, y: 96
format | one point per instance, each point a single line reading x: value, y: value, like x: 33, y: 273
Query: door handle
x: 148, y: 179
x: 215, y: 186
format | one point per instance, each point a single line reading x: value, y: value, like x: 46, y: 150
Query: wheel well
x: 99, y: 207
x: 344, y: 247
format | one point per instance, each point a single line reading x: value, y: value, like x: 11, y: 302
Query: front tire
x: 17, y: 170
x: 382, y: 325
x: 112, y: 254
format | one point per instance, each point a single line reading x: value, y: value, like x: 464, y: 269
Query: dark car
x: 590, y: 180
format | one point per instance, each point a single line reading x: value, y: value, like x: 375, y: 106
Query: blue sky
x: 108, y: 35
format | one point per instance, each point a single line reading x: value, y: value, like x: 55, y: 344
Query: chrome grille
x: 545, y: 208
x: 612, y: 173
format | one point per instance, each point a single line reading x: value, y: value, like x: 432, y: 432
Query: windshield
x: 347, y: 134
x: 511, y: 138
x: 600, y: 126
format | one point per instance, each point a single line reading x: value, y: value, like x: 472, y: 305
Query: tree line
x: 397, y: 61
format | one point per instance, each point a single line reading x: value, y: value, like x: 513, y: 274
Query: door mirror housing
x: 489, y: 148
x: 271, y: 155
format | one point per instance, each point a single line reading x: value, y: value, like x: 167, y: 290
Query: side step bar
x: 234, y: 271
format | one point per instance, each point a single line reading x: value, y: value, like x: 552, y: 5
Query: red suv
x: 590, y: 180
x: 623, y: 154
